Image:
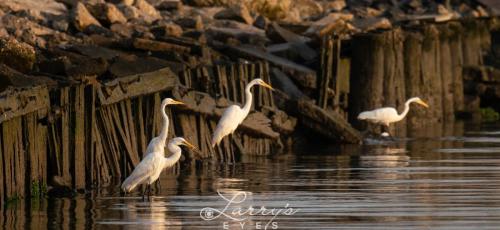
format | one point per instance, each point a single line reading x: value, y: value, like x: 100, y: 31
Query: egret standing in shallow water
x: 157, y: 144
x: 388, y: 115
x: 234, y: 115
x: 151, y: 166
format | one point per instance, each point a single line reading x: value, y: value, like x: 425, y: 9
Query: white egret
x: 234, y: 115
x: 388, y: 115
x: 157, y: 144
x: 151, y: 166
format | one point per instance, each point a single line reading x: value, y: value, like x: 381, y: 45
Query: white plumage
x: 388, y: 115
x: 157, y: 144
x: 151, y: 166
x: 234, y: 115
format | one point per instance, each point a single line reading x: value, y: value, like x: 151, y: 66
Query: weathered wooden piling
x: 367, y: 76
x: 90, y: 133
x: 390, y: 67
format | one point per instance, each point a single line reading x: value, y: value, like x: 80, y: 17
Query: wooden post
x: 367, y: 75
x: 394, y: 79
x: 456, y: 55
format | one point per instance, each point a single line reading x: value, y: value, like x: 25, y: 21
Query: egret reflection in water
x: 449, y: 182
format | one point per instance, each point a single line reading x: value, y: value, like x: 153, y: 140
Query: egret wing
x: 140, y: 174
x: 229, y: 121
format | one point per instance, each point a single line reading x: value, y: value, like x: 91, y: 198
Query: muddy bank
x: 82, y: 81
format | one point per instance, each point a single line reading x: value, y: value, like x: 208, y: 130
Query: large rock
x: 307, y: 8
x: 107, y: 13
x: 19, y: 56
x: 130, y: 12
x: 124, y: 2
x: 82, y: 17
x: 147, y: 10
x: 170, y: 5
x: 237, y: 12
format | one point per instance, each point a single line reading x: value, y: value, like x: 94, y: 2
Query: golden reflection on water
x: 448, y: 181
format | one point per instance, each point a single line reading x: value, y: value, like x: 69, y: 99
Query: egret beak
x: 266, y: 85
x: 177, y: 102
x: 186, y: 143
x: 423, y: 104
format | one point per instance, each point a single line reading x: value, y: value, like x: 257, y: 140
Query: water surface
x: 446, y: 182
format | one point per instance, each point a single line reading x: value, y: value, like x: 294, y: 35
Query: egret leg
x: 385, y: 128
x: 143, y: 193
x: 158, y: 184
x: 149, y: 191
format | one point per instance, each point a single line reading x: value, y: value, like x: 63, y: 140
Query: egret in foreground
x: 157, y: 144
x: 151, y: 166
x: 388, y: 115
x: 234, y: 115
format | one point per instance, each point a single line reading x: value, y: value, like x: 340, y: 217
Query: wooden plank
x: 303, y: 75
x: 30, y: 134
x: 326, y: 63
x: 8, y: 150
x: 90, y: 136
x: 151, y: 45
x: 18, y: 102
x: 20, y: 155
x: 3, y: 177
x: 136, y: 85
x: 65, y: 126
x: 298, y: 42
x: 41, y: 149
x: 78, y: 126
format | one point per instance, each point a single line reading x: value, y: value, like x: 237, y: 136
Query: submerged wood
x: 330, y: 125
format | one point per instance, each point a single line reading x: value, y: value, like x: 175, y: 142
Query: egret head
x: 420, y: 102
x: 181, y: 141
x: 263, y: 83
x: 170, y: 101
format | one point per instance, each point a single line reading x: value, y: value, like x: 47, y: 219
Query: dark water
x: 448, y: 182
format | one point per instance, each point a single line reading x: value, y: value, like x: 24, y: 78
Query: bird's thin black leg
x: 149, y: 192
x: 143, y: 193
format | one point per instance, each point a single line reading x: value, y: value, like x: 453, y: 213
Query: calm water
x: 448, y: 182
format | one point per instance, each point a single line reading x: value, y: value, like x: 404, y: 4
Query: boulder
x: 170, y: 5
x: 130, y: 12
x: 17, y: 55
x: 124, y: 2
x: 82, y: 17
x: 107, y: 13
x: 307, y: 8
x: 237, y: 12
x: 336, y: 5
x: 121, y: 29
x: 147, y: 11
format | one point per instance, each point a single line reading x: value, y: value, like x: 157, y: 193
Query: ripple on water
x: 443, y: 183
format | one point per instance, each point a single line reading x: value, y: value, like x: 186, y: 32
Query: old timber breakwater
x: 81, y: 87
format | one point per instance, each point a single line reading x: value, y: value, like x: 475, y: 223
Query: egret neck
x: 407, y: 108
x: 248, y: 97
x: 174, y: 148
x: 164, y: 130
